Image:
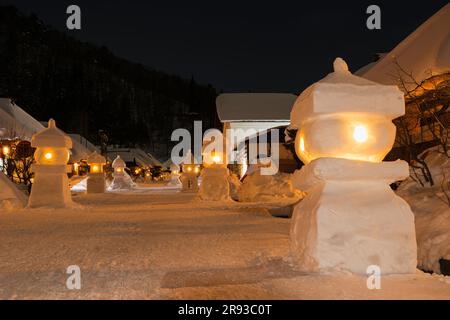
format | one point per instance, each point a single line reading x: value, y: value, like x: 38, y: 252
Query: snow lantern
x: 213, y: 158
x: 119, y: 167
x: 96, y: 163
x: 51, y: 184
x: 345, y: 116
x: 174, y: 168
x: 121, y: 181
x: 350, y: 219
x: 189, y: 177
x: 96, y: 177
x: 174, y: 175
x: 215, y: 177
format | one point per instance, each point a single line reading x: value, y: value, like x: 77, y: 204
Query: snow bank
x: 10, y: 197
x: 432, y: 214
x: 262, y: 188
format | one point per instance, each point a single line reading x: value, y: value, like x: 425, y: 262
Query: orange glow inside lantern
x: 96, y: 168
x: 52, y: 156
x: 349, y: 136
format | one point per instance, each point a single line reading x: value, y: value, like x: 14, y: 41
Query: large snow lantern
x: 345, y: 116
x: 350, y: 218
x: 96, y: 178
x: 121, y: 181
x: 51, y: 184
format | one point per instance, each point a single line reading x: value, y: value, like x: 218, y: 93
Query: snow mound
x: 215, y: 185
x: 257, y: 188
x: 432, y: 213
x: 10, y: 197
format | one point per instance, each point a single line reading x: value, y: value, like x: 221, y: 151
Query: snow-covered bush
x: 431, y: 210
x: 266, y: 188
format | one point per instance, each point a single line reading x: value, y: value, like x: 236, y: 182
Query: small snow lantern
x: 96, y: 162
x: 121, y: 181
x: 96, y: 179
x: 191, y: 168
x: 345, y: 116
x: 119, y: 166
x: 175, y: 175
x: 51, y: 185
x: 189, y: 177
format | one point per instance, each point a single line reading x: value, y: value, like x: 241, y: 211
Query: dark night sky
x: 276, y: 46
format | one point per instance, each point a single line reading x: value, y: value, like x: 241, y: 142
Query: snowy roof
x: 16, y: 123
x: 167, y: 163
x: 51, y: 137
x: 254, y: 106
x: 81, y: 147
x: 135, y: 155
x: 341, y: 91
x: 424, y: 53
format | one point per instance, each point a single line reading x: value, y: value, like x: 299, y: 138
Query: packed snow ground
x: 165, y: 244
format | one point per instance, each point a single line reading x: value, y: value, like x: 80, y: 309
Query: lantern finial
x: 340, y: 65
x: 51, y: 123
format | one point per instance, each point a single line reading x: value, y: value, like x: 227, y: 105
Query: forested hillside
x: 86, y: 88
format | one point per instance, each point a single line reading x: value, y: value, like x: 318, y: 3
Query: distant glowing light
x: 189, y: 169
x: 197, y: 170
x: 95, y: 169
x: 216, y: 159
x: 6, y: 150
x: 360, y: 134
x: 48, y: 156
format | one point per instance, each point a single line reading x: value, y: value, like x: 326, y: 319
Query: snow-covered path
x: 168, y: 245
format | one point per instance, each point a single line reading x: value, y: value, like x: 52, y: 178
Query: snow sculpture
x: 215, y: 176
x: 350, y: 218
x: 51, y: 184
x: 189, y: 179
x: 96, y: 178
x: 121, y: 181
x: 174, y: 175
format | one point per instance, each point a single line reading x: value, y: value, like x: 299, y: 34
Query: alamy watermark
x: 373, y: 277
x: 73, y: 282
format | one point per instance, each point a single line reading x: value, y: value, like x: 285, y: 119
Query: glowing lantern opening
x: 360, y: 134
x: 48, y: 156
x: 302, y: 144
